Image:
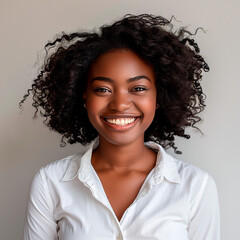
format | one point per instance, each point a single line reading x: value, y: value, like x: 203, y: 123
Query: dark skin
x: 121, y: 174
x: 121, y: 87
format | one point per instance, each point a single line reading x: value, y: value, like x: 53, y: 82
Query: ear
x: 157, y: 106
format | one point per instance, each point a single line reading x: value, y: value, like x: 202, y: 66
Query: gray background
x: 26, y: 144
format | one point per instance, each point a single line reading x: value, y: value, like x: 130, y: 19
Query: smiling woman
x: 127, y: 91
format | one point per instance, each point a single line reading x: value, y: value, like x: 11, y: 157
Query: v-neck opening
x: 138, y: 197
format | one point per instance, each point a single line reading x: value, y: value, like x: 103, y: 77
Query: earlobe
x: 84, y: 100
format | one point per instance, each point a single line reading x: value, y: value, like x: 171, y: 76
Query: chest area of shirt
x: 122, y: 189
x: 158, y: 213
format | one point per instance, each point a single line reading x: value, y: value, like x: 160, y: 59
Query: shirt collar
x: 80, y: 163
x: 166, y: 165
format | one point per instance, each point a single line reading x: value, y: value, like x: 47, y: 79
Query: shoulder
x: 191, y: 175
x: 65, y: 169
x: 55, y: 171
x: 57, y: 168
x: 194, y: 180
x: 179, y: 171
x: 189, y: 172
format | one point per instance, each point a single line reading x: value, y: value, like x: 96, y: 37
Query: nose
x: 120, y: 102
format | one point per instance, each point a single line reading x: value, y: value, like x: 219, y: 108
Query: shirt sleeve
x: 40, y: 223
x: 205, y: 220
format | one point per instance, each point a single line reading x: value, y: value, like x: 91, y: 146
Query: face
x: 120, y: 96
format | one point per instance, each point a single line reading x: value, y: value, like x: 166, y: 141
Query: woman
x: 128, y: 91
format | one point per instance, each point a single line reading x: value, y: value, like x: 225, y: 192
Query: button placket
x: 119, y: 237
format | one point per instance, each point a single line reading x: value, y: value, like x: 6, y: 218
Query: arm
x: 204, y: 223
x: 40, y: 223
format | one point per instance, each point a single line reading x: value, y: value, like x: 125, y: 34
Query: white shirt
x: 67, y: 201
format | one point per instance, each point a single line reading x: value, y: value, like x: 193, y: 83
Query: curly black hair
x: 58, y: 89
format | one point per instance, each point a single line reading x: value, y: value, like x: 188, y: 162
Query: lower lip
x: 121, y: 128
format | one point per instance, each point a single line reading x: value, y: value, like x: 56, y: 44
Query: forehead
x: 120, y: 62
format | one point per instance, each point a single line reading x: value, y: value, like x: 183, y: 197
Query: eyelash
x: 135, y: 89
x: 102, y: 90
x: 139, y: 89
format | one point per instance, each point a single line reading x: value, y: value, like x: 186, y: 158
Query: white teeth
x: 120, y: 121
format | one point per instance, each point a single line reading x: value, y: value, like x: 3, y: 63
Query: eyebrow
x: 133, y: 79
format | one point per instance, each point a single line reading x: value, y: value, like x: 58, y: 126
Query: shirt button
x: 119, y: 237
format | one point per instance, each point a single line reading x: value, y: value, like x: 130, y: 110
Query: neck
x: 121, y: 157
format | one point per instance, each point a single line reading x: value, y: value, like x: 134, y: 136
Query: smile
x: 120, y: 121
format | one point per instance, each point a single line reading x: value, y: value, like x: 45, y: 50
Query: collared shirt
x: 177, y: 201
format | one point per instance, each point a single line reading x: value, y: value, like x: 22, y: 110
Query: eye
x: 102, y: 90
x: 139, y: 89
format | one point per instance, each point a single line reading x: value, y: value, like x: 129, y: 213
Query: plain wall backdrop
x: 26, y: 144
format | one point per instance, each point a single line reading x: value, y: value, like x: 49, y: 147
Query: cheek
x: 148, y: 108
x: 93, y: 102
x: 92, y: 110
x: 94, y: 107
x: 149, y: 104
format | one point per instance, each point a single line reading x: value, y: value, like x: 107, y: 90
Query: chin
x: 121, y: 140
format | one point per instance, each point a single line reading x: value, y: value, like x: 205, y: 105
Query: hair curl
x: 59, y: 87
